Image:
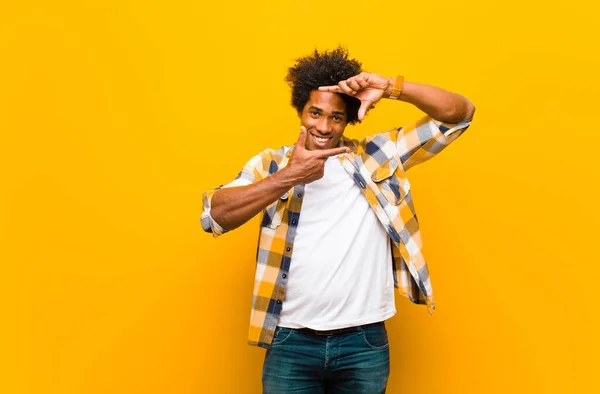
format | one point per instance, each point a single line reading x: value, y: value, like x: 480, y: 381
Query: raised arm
x: 231, y: 207
x: 448, y: 114
x: 438, y: 103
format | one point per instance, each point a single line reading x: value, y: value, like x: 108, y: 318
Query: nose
x: 323, y: 125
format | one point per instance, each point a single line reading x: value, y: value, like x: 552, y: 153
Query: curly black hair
x: 323, y: 69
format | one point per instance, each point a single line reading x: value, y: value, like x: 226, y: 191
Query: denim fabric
x: 304, y: 363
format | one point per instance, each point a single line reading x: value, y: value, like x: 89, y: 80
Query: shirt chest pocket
x: 390, y: 181
x: 273, y: 214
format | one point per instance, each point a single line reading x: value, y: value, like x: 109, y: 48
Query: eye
x: 338, y: 118
x: 314, y: 113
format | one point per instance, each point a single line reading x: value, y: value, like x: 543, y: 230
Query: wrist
x: 390, y: 86
x: 285, y: 178
x: 396, y: 87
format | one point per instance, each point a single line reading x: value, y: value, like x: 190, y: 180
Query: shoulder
x: 269, y: 160
x: 276, y: 155
x: 388, y: 135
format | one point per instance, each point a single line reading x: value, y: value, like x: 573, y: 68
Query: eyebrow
x: 333, y: 112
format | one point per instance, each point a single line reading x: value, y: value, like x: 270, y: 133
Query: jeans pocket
x: 282, y: 334
x: 375, y: 336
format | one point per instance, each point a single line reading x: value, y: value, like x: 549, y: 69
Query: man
x: 339, y: 229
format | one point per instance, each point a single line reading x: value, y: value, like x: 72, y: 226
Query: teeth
x: 321, y: 139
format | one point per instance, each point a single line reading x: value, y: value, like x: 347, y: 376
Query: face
x: 324, y: 117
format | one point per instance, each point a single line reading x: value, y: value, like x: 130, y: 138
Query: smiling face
x: 324, y: 117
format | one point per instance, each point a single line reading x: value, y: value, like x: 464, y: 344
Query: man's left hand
x: 369, y: 88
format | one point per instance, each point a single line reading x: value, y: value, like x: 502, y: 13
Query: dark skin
x: 438, y: 103
x: 323, y: 120
x: 232, y: 207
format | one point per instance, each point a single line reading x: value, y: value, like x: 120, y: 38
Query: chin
x: 317, y: 147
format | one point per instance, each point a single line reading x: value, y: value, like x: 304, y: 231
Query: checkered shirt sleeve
x: 251, y: 173
x: 425, y: 138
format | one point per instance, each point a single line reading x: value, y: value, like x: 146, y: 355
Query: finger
x: 332, y: 152
x: 364, y: 106
x: 346, y: 89
x: 302, y: 138
x: 333, y: 89
x: 362, y: 83
x: 353, y: 84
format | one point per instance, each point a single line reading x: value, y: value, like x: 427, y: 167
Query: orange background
x: 114, y: 116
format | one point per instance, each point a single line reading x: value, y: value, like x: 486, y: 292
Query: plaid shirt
x: 377, y: 164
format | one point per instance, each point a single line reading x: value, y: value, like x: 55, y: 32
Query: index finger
x: 332, y: 88
x: 332, y: 152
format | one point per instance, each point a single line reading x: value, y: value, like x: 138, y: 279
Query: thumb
x: 362, y: 111
x: 302, y: 138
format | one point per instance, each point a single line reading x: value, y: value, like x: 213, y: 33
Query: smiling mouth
x: 322, y: 139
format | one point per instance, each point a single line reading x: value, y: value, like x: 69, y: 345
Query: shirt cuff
x: 208, y: 223
x: 449, y: 128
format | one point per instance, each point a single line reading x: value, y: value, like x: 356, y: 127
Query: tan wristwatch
x: 397, y: 89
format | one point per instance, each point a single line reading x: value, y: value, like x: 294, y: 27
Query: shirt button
x: 279, y: 301
x: 284, y: 276
x: 299, y: 195
x: 360, y: 180
x: 288, y: 248
x: 294, y: 222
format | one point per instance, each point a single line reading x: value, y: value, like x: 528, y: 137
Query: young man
x: 339, y: 229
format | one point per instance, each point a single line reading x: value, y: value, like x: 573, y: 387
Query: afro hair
x: 323, y: 69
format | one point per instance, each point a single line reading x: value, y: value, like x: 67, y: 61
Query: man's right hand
x: 306, y: 166
x: 234, y: 206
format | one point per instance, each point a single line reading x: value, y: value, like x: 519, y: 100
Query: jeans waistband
x: 339, y: 331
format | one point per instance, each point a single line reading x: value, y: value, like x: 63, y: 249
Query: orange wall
x: 112, y: 116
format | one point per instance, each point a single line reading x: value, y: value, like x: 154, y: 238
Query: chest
x: 333, y: 198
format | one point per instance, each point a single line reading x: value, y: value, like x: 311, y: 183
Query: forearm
x: 232, y: 207
x: 438, y: 103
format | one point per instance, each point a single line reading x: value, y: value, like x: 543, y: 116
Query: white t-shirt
x: 341, y: 267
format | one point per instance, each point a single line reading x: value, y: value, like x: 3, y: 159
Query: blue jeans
x: 305, y: 363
